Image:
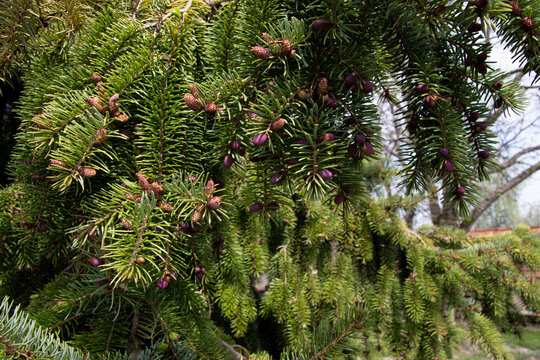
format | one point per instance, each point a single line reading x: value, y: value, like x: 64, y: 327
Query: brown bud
x: 101, y: 136
x: 278, y: 124
x: 143, y: 181
x: 122, y: 118
x: 262, y: 53
x: 192, y: 103
x: 214, y: 203
x: 129, y: 196
x: 126, y: 223
x: 87, y: 172
x: 193, y: 89
x: 96, y: 104
x: 527, y: 24
x: 211, y: 108
x: 96, y: 78
x: 303, y: 95
x: 58, y: 163
x: 197, y: 215
x: 165, y: 206
x: 209, y: 188
x: 156, y: 188
x: 141, y: 260
x: 322, y: 88
x: 113, y: 106
x: 516, y: 8
x: 286, y: 48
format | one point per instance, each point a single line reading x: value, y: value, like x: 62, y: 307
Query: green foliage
x: 196, y: 181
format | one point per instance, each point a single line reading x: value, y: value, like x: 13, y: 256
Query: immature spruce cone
x: 162, y: 284
x: 516, y: 8
x: 214, y: 203
x: 322, y: 88
x: 481, y: 4
x: 166, y: 207
x: 156, y: 188
x: 497, y: 85
x: 276, y: 179
x: 325, y: 174
x: 101, y: 136
x: 87, y: 172
x: 58, y: 163
x: 339, y: 199
x: 197, y: 215
x: 460, y: 190
x: 262, y: 53
x: 260, y: 139
x: 255, y: 207
x: 193, y: 89
x: 96, y: 78
x: 474, y: 27
x: 444, y: 152
x: 96, y: 104
x: 228, y: 161
x: 122, y: 118
x: 113, y: 106
x: 327, y: 137
x: 192, y: 103
x: 527, y: 24
x: 286, y: 48
x: 211, y: 108
x: 274, y: 206
x: 143, y: 181
x: 351, y: 79
x: 422, y: 88
x: 277, y: 125
x: 367, y: 148
x: 209, y: 188
x: 483, y: 154
x: 367, y: 86
x: 126, y: 223
x: 323, y: 24
x: 303, y: 95
x: 352, y: 150
x: 448, y: 166
x: 235, y: 145
x: 360, y: 139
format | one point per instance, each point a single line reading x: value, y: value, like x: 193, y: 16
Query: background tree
x: 198, y: 181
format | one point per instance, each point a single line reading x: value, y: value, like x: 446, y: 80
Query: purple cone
x: 367, y: 86
x: 444, y: 152
x: 351, y: 79
x: 360, y: 139
x: 367, y: 148
x: 483, y: 154
x: 162, y: 284
x: 325, y: 174
x: 276, y: 179
x: 235, y: 145
x: 449, y: 166
x: 352, y: 150
x: 339, y: 199
x: 228, y: 161
x: 260, y: 139
x: 255, y: 207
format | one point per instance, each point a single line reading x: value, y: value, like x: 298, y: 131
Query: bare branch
x: 514, y: 159
x: 500, y: 190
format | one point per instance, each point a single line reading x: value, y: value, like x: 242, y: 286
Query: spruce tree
x: 195, y: 180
